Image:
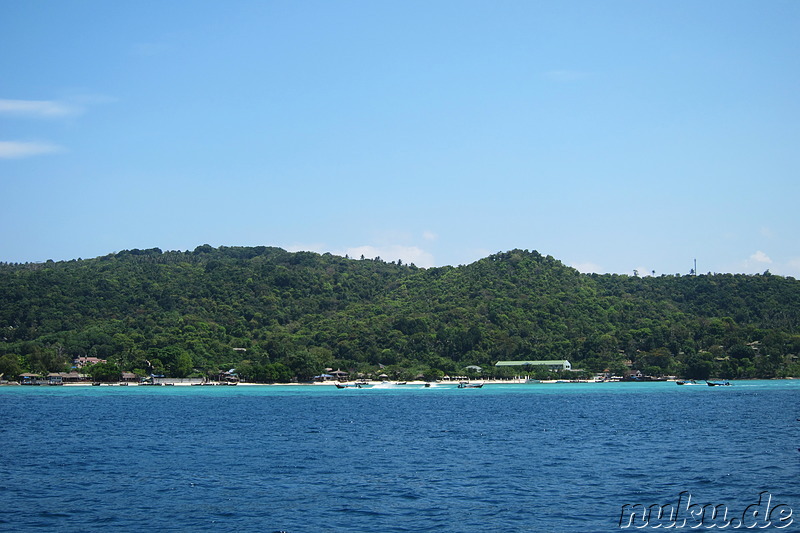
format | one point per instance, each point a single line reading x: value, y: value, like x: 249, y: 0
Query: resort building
x: 80, y: 362
x: 59, y: 378
x: 29, y: 378
x: 550, y: 365
x: 339, y: 375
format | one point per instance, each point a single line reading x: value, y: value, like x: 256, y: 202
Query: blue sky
x: 613, y: 135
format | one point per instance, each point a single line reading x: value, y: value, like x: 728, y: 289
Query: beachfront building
x: 29, y: 378
x: 339, y: 375
x: 549, y: 365
x: 59, y: 378
x: 73, y: 377
x: 80, y: 362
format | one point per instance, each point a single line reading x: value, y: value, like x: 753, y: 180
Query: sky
x: 614, y: 136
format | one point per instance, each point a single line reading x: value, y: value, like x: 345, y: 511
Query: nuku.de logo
x: 686, y: 514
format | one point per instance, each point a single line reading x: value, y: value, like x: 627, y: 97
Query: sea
x: 557, y: 457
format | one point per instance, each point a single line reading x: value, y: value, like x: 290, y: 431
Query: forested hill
x: 275, y: 316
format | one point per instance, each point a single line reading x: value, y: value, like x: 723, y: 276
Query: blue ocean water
x: 556, y: 457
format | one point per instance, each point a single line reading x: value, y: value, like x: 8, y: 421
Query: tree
x: 10, y: 367
x: 538, y: 372
x: 182, y: 365
x: 698, y: 368
x: 104, y: 372
x: 304, y: 365
x: 433, y: 374
x: 189, y: 309
x: 277, y: 373
x: 618, y: 368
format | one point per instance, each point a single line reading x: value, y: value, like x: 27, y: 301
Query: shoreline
x: 368, y: 384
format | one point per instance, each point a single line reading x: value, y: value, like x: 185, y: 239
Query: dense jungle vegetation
x: 279, y: 316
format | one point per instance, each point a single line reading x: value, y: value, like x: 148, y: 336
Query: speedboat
x: 468, y: 385
x: 718, y: 383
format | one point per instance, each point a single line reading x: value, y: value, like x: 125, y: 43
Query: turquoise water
x: 550, y: 457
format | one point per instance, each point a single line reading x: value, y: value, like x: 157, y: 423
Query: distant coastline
x: 263, y: 314
x: 382, y: 384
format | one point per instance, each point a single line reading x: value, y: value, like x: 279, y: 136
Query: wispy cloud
x: 429, y: 235
x: 793, y: 267
x: 391, y: 252
x: 18, y: 150
x: 34, y: 109
x: 760, y: 257
x: 758, y: 262
x: 644, y: 271
x: 408, y: 254
x: 37, y: 108
x: 587, y: 268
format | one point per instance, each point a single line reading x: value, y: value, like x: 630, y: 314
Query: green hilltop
x: 278, y: 316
